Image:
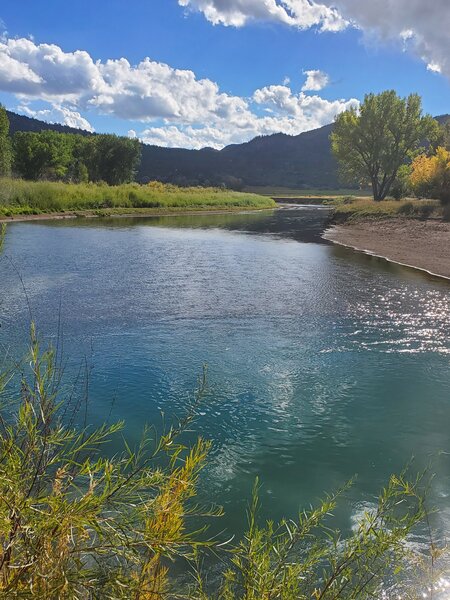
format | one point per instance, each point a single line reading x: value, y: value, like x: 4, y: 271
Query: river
x: 322, y: 363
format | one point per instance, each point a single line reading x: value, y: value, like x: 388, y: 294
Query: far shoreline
x: 143, y: 213
x: 420, y: 245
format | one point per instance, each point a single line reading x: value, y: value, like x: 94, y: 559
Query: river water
x: 322, y: 363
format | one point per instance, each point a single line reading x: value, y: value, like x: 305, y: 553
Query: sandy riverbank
x: 422, y: 245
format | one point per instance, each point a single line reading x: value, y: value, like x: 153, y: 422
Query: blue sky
x: 253, y: 58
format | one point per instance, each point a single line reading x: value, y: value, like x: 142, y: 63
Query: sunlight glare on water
x: 323, y: 363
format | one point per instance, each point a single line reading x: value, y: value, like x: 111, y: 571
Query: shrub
x: 430, y: 176
x: 406, y: 209
x: 76, y: 524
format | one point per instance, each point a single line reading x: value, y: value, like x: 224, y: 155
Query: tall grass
x: 25, y: 197
x: 354, y: 209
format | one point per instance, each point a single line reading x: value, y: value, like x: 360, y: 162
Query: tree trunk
x: 375, y: 189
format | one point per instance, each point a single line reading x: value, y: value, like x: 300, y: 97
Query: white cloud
x: 434, y: 67
x: 3, y: 31
x: 46, y: 71
x: 185, y: 110
x: 302, y: 14
x: 290, y: 113
x: 423, y: 26
x: 315, y: 81
x: 58, y: 114
x: 417, y: 25
x: 143, y: 92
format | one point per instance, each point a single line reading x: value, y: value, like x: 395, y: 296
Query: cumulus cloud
x: 46, y: 71
x: 289, y: 113
x: 427, y: 26
x: 302, y: 14
x: 184, y: 110
x: 315, y: 81
x: 417, y: 25
x: 142, y: 92
x: 58, y: 114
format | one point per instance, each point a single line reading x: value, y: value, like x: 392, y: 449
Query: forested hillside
x: 302, y: 161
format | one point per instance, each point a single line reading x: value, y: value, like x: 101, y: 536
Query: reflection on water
x: 323, y: 362
x: 304, y: 224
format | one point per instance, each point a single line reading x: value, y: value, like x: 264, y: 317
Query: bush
x: 76, y: 524
x: 430, y: 176
x: 406, y: 209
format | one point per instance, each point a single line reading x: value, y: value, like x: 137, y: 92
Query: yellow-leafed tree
x: 430, y: 175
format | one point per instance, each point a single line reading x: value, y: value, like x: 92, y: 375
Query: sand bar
x: 422, y: 245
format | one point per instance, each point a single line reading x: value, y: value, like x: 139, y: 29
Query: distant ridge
x: 278, y: 160
x: 23, y: 123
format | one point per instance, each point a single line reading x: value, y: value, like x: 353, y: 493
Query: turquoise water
x: 323, y: 363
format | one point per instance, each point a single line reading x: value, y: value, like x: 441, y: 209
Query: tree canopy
x: 77, y: 158
x: 430, y: 175
x: 372, y: 143
x: 5, y: 145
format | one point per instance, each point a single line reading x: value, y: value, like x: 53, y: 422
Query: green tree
x: 5, y: 144
x: 44, y: 155
x: 445, y: 134
x: 372, y: 143
x: 111, y: 158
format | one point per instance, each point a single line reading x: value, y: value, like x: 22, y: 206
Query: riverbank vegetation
x: 74, y: 158
x: 61, y: 173
x: 430, y: 175
x: 350, y: 208
x: 48, y: 155
x: 75, y: 523
x: 18, y: 197
x: 373, y: 143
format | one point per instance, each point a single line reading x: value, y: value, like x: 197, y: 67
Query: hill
x: 23, y: 123
x: 302, y: 162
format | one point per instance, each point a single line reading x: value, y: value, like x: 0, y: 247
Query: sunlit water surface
x: 323, y: 363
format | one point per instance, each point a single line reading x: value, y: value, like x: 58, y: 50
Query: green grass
x: 18, y: 197
x: 283, y: 192
x: 354, y: 209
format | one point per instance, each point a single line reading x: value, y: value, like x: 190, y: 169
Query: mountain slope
x: 279, y: 160
x: 23, y: 123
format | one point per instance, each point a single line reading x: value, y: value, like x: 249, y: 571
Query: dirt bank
x: 423, y: 245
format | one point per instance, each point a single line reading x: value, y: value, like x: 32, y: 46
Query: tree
x: 372, y: 143
x: 111, y: 158
x: 430, y: 175
x: 44, y: 155
x: 5, y: 144
x: 72, y: 157
x: 445, y: 134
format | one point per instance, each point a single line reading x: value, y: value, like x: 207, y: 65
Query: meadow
x: 20, y: 197
x: 285, y: 192
x: 354, y: 209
